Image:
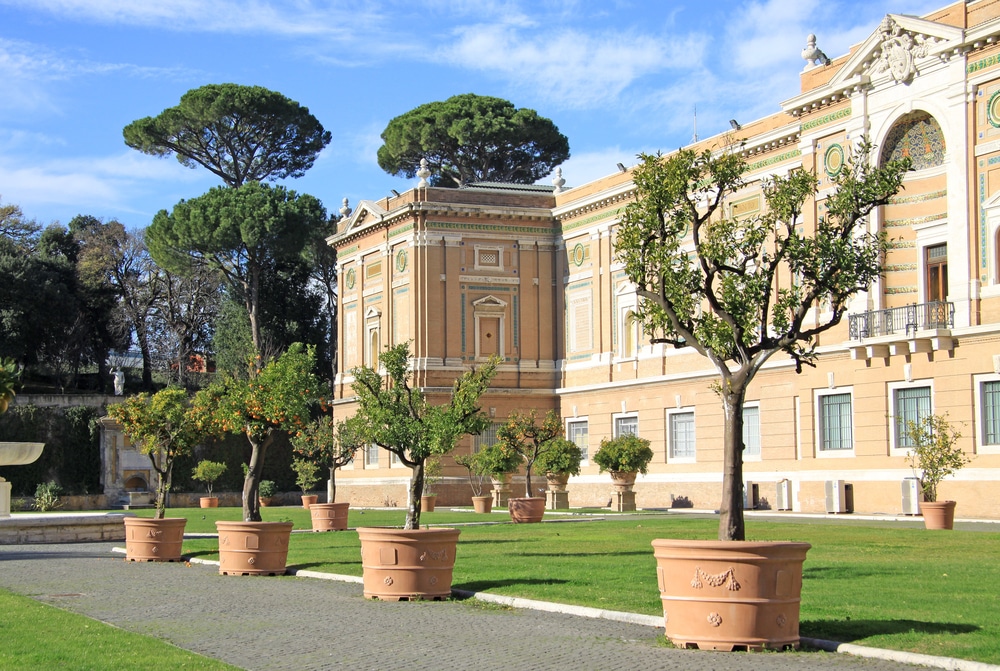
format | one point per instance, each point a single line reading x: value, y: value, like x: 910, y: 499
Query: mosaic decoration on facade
x: 993, y: 110
x: 517, y: 321
x: 580, y: 254
x: 351, y: 278
x: 896, y: 291
x: 982, y: 64
x: 914, y: 221
x: 916, y: 136
x: 745, y: 207
x: 402, y: 229
x: 401, y: 261
x: 982, y: 225
x: 919, y: 198
x: 780, y: 158
x: 399, y: 299
x: 825, y: 119
x: 463, y: 324
x: 833, y: 160
x: 373, y: 269
x: 586, y: 221
x: 900, y: 267
x: 901, y: 244
x: 493, y: 228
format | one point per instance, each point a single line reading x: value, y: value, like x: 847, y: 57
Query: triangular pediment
x: 489, y: 303
x: 367, y: 212
x: 897, y: 47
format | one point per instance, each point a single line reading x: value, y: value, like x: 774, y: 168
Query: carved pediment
x: 367, y: 212
x: 897, y: 47
x: 489, y: 304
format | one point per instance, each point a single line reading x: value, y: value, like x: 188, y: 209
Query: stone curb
x: 948, y: 663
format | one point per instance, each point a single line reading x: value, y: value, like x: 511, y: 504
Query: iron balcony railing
x: 906, y: 320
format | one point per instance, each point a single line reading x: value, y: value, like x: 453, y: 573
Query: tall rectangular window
x: 680, y: 434
x: 991, y: 413
x: 371, y: 455
x: 751, y: 431
x: 910, y: 404
x: 578, y: 433
x: 835, y: 431
x: 485, y: 439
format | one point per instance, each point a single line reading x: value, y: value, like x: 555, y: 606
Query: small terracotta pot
x: 253, y: 548
x: 154, y: 540
x: 482, y: 504
x: 526, y: 510
x: 427, y: 503
x: 938, y: 514
x: 266, y: 501
x: 404, y: 565
x: 209, y: 502
x: 329, y: 516
x: 309, y: 499
x: 730, y: 595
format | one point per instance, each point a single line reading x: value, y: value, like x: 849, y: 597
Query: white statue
x: 119, y: 381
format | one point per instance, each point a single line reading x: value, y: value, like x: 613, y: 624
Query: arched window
x: 916, y: 136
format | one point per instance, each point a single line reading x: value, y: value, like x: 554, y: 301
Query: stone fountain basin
x: 18, y: 454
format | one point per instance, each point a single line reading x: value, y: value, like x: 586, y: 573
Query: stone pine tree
x: 239, y: 133
x: 473, y: 138
x: 741, y: 290
x: 398, y: 418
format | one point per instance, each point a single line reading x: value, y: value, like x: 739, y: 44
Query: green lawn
x: 37, y: 636
x: 875, y: 584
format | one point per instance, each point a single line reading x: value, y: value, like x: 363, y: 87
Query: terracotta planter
x: 209, y: 502
x: 405, y: 565
x: 154, y: 540
x: 482, y: 504
x: 938, y: 514
x: 501, y: 489
x: 623, y: 481
x: 266, y: 501
x: 329, y: 516
x: 253, y: 548
x: 557, y: 481
x: 726, y: 595
x: 526, y: 510
x: 427, y: 503
x: 309, y: 499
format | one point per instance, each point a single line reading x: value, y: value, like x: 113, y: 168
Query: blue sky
x: 618, y: 77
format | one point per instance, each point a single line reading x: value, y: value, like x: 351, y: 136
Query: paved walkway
x: 303, y: 624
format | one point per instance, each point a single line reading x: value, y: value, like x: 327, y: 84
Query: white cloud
x: 568, y: 67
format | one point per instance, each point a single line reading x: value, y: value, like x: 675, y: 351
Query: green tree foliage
x: 245, y: 233
x: 241, y: 134
x: 23, y: 233
x: 471, y: 138
x: 744, y: 293
x: 277, y: 397
x: 163, y: 426
x: 329, y: 443
x: 208, y: 471
x: 398, y: 418
x: 934, y: 452
x: 522, y: 433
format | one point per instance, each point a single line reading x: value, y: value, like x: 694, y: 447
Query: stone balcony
x: 909, y: 329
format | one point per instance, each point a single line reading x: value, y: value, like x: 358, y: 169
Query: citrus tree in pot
x: 306, y: 477
x: 474, y: 464
x: 398, y: 418
x: 277, y: 395
x: 738, y: 290
x: 624, y: 457
x: 331, y: 444
x: 559, y: 460
x: 523, y: 435
x: 208, y: 471
x: 934, y: 455
x: 163, y: 426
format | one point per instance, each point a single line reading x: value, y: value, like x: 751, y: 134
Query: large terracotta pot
x: 329, y: 516
x: 404, y: 565
x: 726, y: 595
x: 149, y: 539
x: 938, y: 514
x: 309, y: 499
x: 253, y: 548
x: 209, y: 502
x: 427, y: 502
x: 526, y: 510
x: 482, y: 504
x: 623, y: 481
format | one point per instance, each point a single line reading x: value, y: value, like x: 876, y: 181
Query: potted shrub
x: 523, y: 435
x: 432, y: 476
x: 163, y: 426
x: 398, y: 418
x: 624, y: 457
x: 306, y: 477
x: 332, y: 444
x: 558, y: 461
x: 266, y: 491
x: 934, y: 456
x: 275, y: 396
x: 208, y: 471
x: 478, y: 477
x: 499, y: 462
x: 719, y: 285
